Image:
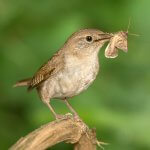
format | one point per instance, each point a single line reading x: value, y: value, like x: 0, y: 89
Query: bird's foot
x: 60, y: 116
x: 68, y: 115
x: 76, y: 116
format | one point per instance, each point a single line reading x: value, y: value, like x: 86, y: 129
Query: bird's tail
x: 25, y: 82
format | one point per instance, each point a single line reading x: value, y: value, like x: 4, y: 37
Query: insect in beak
x: 118, y: 41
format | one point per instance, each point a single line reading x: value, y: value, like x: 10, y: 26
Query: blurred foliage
x: 119, y: 100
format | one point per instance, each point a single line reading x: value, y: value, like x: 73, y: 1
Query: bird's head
x: 87, y: 41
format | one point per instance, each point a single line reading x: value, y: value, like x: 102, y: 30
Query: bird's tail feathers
x: 25, y: 82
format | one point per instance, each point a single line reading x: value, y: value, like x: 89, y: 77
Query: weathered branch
x: 69, y: 129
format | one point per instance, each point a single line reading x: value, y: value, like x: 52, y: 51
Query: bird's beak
x: 104, y: 37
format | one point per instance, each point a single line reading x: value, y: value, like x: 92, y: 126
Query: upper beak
x: 104, y: 36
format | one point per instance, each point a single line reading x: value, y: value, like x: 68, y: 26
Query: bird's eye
x: 89, y: 38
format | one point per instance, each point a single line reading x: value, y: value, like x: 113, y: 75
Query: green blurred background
x: 117, y: 104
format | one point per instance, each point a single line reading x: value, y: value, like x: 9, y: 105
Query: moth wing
x: 111, y: 50
x: 121, y: 42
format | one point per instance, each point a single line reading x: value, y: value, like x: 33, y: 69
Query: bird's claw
x: 60, y: 116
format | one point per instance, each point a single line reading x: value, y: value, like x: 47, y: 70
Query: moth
x: 118, y: 41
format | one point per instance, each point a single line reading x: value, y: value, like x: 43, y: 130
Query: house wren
x: 71, y: 70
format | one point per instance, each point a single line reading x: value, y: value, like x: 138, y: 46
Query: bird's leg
x: 70, y: 108
x: 57, y: 116
x: 51, y: 109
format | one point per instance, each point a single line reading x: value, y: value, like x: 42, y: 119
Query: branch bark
x: 69, y: 129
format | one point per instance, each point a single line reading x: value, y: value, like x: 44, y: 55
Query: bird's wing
x: 53, y: 66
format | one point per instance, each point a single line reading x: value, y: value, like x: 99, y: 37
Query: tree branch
x: 69, y: 129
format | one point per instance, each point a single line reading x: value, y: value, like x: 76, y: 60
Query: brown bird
x: 71, y: 70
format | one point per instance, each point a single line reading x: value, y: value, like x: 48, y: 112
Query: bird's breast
x: 76, y: 77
